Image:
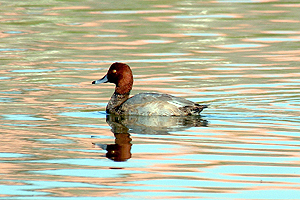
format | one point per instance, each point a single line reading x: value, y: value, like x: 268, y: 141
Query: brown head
x: 120, y: 74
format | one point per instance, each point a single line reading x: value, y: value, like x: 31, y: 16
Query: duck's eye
x: 114, y: 71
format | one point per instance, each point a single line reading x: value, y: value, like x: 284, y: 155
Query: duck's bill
x: 102, y: 80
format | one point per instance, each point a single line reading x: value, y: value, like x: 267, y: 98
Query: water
x: 241, y: 57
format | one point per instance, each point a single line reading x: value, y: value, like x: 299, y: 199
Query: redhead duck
x: 143, y: 103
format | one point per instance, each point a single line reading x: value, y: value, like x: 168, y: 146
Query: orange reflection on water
x: 284, y: 20
x: 287, y: 5
x: 158, y: 19
x: 279, y: 57
x: 269, y: 11
x: 162, y: 6
x: 9, y: 168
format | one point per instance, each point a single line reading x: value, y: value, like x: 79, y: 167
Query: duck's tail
x: 193, y: 110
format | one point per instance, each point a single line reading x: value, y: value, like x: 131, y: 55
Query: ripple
x: 104, y: 36
x: 13, y: 155
x: 205, y: 16
x: 136, y: 11
x: 241, y: 64
x: 20, y: 190
x: 11, y: 49
x: 154, y: 148
x: 13, y: 32
x: 242, y: 158
x: 89, y: 136
x: 87, y: 125
x: 166, y: 60
x: 22, y: 117
x: 240, y: 1
x: 92, y: 173
x: 203, y: 34
x: 55, y: 141
x: 282, y: 32
x: 95, y: 163
x: 84, y: 114
x: 239, y: 46
x: 62, y: 85
x: 28, y: 125
x: 273, y: 39
x: 6, y: 99
x: 4, y: 78
x: 28, y: 188
x: 31, y: 70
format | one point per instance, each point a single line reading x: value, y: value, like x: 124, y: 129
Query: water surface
x: 241, y: 57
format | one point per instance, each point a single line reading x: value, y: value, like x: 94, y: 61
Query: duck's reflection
x: 120, y: 126
x: 120, y: 151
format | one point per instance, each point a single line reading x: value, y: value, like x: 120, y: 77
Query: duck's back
x: 160, y: 104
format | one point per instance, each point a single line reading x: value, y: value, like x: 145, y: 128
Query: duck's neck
x: 116, y: 100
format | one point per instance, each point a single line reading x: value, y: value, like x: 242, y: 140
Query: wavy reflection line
x: 140, y: 61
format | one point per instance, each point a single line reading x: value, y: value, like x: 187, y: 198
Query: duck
x: 146, y: 104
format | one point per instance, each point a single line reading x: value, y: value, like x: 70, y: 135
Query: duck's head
x: 120, y: 74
